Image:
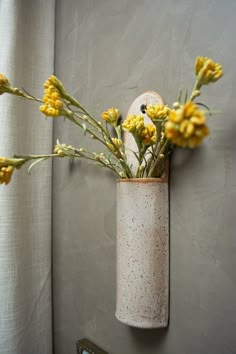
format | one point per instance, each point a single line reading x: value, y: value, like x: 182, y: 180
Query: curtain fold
x: 26, y: 58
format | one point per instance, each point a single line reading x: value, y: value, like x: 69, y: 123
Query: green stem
x: 196, y: 87
x: 122, y: 161
x: 159, y: 159
x: 34, y: 157
x: 17, y: 92
x: 77, y: 104
x: 81, y: 155
x: 142, y: 152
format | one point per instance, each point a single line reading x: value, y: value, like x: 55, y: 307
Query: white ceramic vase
x: 143, y: 252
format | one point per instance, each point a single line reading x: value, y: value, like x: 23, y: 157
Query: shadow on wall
x: 149, y: 339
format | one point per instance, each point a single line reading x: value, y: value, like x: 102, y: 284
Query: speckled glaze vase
x: 143, y: 252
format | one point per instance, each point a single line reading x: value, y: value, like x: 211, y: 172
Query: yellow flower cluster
x: 59, y: 151
x: 117, y: 144
x: 157, y: 111
x: 5, y: 174
x: 149, y: 135
x: 134, y: 124
x: 3, y: 80
x: 53, y: 104
x: 4, y: 84
x: 186, y: 126
x: 7, y: 166
x: 111, y: 116
x: 207, y: 70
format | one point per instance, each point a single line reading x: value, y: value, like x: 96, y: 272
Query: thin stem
x: 196, y: 88
x: 81, y: 155
x: 34, y: 157
x: 162, y: 151
x: 17, y: 92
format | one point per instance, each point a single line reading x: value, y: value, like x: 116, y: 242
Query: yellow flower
x: 157, y: 111
x: 149, y: 134
x: 3, y: 161
x: 53, y: 105
x: 134, y: 124
x: 111, y: 116
x: 3, y: 80
x: 207, y: 70
x: 15, y: 162
x: 186, y: 126
x: 5, y: 174
x: 59, y: 151
x: 4, y: 84
x: 54, y: 81
x: 117, y: 144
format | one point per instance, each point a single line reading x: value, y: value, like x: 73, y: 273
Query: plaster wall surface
x: 107, y: 53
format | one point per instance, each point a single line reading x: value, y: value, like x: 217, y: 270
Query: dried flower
x: 117, y: 142
x: 157, y: 111
x: 4, y: 84
x: 3, y: 80
x: 5, y: 174
x: 186, y: 126
x: 111, y: 116
x: 53, y: 104
x: 116, y: 145
x: 59, y: 151
x: 134, y: 124
x: 149, y: 135
x: 54, y: 81
x: 63, y: 150
x: 207, y: 70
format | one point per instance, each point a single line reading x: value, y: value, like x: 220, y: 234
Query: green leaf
x: 204, y: 105
x: 180, y: 96
x: 84, y: 128
x: 36, y: 162
x: 186, y: 95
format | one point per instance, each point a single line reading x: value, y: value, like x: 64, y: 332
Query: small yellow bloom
x: 116, y: 147
x: 207, y: 70
x: 149, y: 135
x: 5, y: 174
x: 134, y: 124
x: 4, y: 84
x: 186, y: 126
x: 117, y: 144
x: 157, y: 111
x: 3, y: 80
x: 111, y: 116
x: 59, y: 151
x: 55, y: 82
x: 53, y: 104
x: 3, y: 161
x: 15, y: 162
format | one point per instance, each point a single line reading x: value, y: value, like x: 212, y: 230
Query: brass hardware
x: 85, y: 346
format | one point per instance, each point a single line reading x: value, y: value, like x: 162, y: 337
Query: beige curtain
x: 26, y: 58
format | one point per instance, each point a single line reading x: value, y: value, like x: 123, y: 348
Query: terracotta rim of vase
x: 143, y: 180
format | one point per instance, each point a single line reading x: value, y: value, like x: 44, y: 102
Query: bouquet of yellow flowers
x: 183, y: 124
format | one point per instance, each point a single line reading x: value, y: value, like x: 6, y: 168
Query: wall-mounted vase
x: 143, y: 252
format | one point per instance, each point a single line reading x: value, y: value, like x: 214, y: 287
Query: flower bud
x: 176, y: 105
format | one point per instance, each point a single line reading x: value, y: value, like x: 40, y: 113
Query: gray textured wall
x: 108, y: 52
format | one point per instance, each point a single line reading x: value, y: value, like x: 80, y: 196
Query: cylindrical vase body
x: 143, y: 252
